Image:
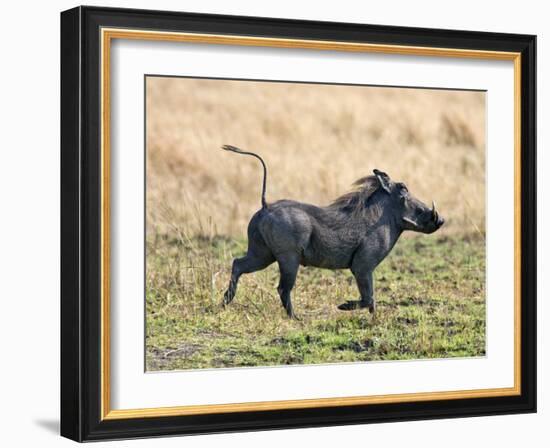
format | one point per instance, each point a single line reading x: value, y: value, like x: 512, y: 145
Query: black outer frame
x: 80, y: 223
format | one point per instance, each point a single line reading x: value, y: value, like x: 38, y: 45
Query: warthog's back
x: 320, y: 236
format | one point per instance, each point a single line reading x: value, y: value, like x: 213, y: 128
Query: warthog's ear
x: 384, y: 179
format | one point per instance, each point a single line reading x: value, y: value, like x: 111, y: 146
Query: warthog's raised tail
x: 240, y: 151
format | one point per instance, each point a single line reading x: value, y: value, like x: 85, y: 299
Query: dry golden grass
x: 315, y: 139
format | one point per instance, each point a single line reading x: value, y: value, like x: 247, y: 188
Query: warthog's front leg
x: 365, y: 283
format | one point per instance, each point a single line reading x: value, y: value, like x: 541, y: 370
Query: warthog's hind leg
x: 245, y: 265
x: 288, y: 267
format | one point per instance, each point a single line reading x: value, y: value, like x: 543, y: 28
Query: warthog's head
x: 412, y: 213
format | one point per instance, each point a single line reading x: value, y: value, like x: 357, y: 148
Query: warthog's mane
x: 357, y: 200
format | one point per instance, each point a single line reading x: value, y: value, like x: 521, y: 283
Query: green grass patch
x: 430, y: 293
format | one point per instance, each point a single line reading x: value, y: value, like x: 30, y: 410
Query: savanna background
x: 316, y: 140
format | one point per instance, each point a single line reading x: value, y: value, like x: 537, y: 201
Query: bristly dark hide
x: 356, y: 201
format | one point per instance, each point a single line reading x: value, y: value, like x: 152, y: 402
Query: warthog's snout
x: 437, y: 220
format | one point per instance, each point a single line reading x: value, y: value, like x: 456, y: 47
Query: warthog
x: 356, y: 231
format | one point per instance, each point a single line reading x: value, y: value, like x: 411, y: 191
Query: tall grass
x: 315, y: 139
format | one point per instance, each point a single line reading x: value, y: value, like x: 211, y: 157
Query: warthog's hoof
x: 227, y: 298
x: 356, y: 305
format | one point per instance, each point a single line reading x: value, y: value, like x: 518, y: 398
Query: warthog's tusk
x: 410, y: 221
x: 434, y: 212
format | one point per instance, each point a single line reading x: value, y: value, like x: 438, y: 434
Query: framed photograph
x: 273, y: 223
